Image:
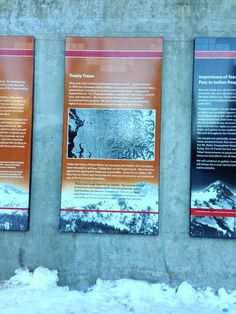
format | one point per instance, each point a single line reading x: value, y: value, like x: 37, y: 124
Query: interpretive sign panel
x: 213, y: 184
x: 16, y: 86
x: 110, y: 176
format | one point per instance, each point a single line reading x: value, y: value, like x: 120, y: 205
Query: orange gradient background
x: 18, y: 68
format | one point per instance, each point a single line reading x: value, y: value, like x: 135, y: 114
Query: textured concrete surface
x: 81, y: 258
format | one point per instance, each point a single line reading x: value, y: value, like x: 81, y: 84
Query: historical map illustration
x: 111, y: 134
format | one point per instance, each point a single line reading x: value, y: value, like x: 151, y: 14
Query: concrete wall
x: 81, y: 258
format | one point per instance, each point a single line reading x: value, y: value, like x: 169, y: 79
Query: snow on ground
x: 38, y: 292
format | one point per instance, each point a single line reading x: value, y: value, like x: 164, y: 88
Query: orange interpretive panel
x: 16, y: 90
x: 111, y: 141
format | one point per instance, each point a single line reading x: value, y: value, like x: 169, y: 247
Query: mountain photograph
x: 216, y: 196
x: 12, y: 201
x: 118, y: 213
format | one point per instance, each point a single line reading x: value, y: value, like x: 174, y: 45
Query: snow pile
x: 186, y: 294
x: 38, y: 292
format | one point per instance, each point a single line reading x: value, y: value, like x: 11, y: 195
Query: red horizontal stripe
x: 215, y: 54
x: 11, y: 52
x: 107, y: 211
x: 7, y: 208
x: 113, y: 54
x: 213, y: 212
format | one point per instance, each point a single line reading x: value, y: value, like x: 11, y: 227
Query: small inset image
x: 111, y: 134
x: 14, y: 204
x: 216, y: 197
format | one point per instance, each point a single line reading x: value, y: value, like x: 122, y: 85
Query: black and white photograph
x: 14, y: 203
x: 215, y: 196
x: 112, y: 210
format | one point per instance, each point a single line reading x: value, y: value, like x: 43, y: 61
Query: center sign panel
x: 110, y: 175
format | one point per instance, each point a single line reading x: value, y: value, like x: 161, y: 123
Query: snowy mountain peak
x: 216, y: 195
x: 10, y: 189
x: 13, y: 196
x: 220, y: 189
